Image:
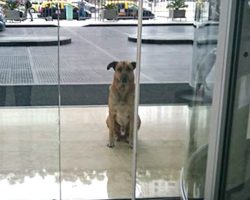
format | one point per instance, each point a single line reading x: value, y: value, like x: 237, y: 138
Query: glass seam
x: 59, y: 103
x: 137, y: 98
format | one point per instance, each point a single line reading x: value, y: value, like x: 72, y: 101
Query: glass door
x: 229, y: 177
x: 62, y: 81
x: 200, y: 97
x: 236, y: 182
x: 95, y: 165
x: 29, y: 120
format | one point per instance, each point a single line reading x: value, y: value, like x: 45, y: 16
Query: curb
x: 173, y: 41
x: 154, y: 24
x: 30, y: 26
x: 34, y: 41
x: 161, y: 41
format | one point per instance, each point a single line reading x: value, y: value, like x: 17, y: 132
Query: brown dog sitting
x: 121, y: 103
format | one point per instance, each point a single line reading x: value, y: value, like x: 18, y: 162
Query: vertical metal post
x: 59, y: 100
x: 95, y: 10
x: 137, y: 98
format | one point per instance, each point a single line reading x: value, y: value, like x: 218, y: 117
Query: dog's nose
x: 124, y: 79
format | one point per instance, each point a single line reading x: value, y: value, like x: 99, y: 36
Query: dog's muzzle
x: 124, y: 78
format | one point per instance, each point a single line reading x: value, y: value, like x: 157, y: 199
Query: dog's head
x: 124, y: 71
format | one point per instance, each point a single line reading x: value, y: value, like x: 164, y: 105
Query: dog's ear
x: 112, y: 64
x: 133, y: 64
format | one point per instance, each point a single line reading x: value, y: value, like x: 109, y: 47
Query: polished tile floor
x: 31, y: 155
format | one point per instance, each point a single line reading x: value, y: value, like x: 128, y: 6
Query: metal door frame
x: 220, y: 105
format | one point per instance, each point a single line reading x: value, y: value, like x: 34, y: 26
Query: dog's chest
x: 122, y: 114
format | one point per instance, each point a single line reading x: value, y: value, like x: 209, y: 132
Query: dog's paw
x: 131, y: 145
x: 110, y: 145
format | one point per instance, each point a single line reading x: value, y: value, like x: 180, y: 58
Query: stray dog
x: 121, y: 103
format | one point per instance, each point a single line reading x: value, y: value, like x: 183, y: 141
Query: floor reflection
x: 29, y: 185
x: 77, y: 184
x: 29, y: 154
x: 86, y: 185
x: 158, y: 183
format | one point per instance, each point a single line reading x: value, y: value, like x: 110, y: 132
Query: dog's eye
x: 119, y: 69
x: 128, y: 69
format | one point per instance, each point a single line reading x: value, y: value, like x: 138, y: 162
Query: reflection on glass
x: 202, y: 77
x: 157, y: 183
x: 207, y: 10
x: 88, y: 165
x: 28, y: 135
x: 90, y: 184
x: 161, y: 150
x: 29, y: 153
x: 27, y: 185
x: 86, y: 161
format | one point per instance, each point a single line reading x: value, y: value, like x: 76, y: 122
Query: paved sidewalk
x: 33, y: 40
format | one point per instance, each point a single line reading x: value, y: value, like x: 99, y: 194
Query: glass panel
x: 238, y: 170
x: 200, y: 97
x: 29, y: 151
x: 90, y: 169
x: 164, y: 111
x: 161, y: 149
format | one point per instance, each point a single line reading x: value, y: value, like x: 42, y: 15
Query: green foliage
x: 12, y: 4
x: 177, y: 4
x: 110, y: 6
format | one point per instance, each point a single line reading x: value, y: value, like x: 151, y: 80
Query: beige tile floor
x: 30, y: 153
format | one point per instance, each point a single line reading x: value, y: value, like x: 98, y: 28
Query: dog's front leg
x: 131, y: 130
x: 111, y: 122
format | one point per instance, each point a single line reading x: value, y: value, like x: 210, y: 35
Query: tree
x: 177, y: 4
